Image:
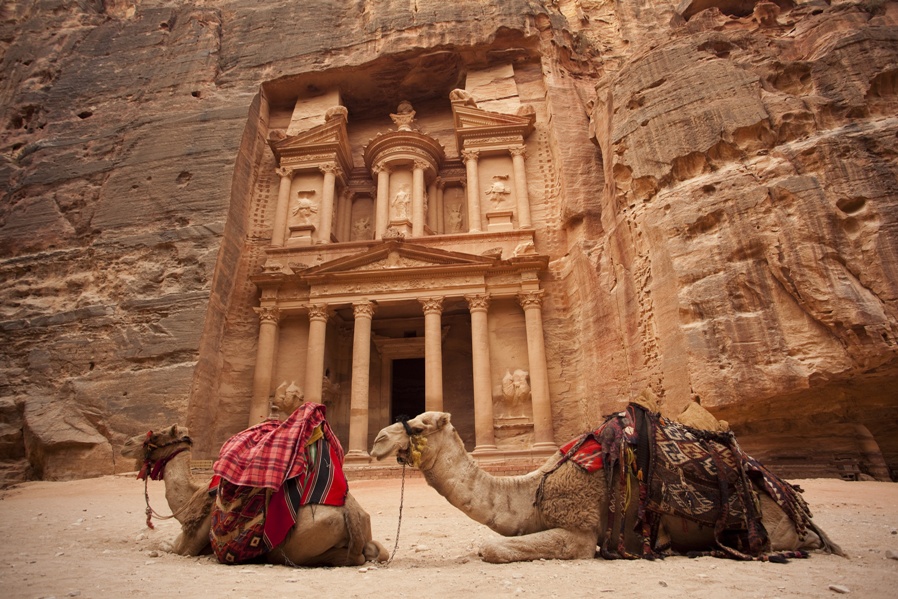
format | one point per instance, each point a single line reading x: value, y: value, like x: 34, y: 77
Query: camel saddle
x: 699, y: 475
x: 265, y: 474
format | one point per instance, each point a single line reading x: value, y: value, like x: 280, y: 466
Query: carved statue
x: 463, y: 97
x: 286, y: 399
x: 361, y: 229
x: 498, y: 190
x: 455, y: 218
x: 330, y: 391
x: 305, y: 207
x: 401, y: 203
x: 516, y: 387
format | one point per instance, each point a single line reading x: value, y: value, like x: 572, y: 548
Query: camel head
x: 153, y: 450
x: 408, y: 439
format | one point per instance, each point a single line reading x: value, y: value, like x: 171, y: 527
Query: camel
x: 324, y: 535
x: 568, y: 520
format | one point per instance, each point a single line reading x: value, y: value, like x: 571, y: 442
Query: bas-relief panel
x: 509, y: 370
x: 454, y: 210
x: 362, y: 219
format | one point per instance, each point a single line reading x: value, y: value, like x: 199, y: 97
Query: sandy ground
x: 88, y: 539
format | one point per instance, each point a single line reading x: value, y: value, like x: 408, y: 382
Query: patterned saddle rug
x: 251, y: 516
x: 699, y: 475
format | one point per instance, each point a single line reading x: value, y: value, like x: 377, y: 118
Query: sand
x: 88, y: 538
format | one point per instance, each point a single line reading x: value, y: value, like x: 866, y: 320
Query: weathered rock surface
x: 722, y: 223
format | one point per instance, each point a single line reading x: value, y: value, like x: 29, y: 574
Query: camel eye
x: 417, y: 430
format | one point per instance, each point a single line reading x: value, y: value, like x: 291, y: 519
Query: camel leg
x: 195, y: 543
x: 556, y: 543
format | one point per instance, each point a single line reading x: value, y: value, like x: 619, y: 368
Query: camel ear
x: 443, y: 420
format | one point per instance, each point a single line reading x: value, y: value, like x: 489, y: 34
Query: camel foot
x: 556, y: 543
x: 375, y: 552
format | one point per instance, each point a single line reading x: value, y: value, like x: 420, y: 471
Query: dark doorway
x: 407, y: 388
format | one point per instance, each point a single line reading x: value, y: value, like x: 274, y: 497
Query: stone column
x: 437, y: 208
x: 471, y: 158
x: 484, y: 435
x: 326, y: 214
x: 543, y: 434
x: 315, y: 352
x: 279, y: 227
x: 259, y: 407
x: 430, y: 205
x: 520, y: 187
x: 382, y: 207
x: 344, y: 216
x: 418, y: 198
x: 361, y: 366
x: 433, y: 353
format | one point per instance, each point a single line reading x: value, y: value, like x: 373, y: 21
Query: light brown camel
x: 324, y: 535
x: 568, y: 522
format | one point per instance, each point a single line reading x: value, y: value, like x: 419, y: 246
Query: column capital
x: 363, y: 309
x: 421, y: 165
x: 469, y: 155
x: 531, y: 299
x: 518, y: 151
x: 478, y: 302
x: 285, y: 171
x: 317, y: 311
x: 330, y: 167
x: 268, y: 314
x: 381, y: 167
x: 432, y: 305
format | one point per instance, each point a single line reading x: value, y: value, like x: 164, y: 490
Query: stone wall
x: 720, y: 206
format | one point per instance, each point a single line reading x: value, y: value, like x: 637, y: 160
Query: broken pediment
x: 321, y: 144
x: 476, y: 128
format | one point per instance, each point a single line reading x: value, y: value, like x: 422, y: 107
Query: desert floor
x: 88, y: 538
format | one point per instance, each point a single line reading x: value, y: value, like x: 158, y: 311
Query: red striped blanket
x: 250, y: 520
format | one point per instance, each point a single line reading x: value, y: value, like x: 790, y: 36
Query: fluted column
x: 326, y: 215
x: 471, y: 158
x: 433, y: 353
x: 315, y: 352
x: 520, y: 187
x: 259, y: 407
x: 484, y: 435
x: 361, y: 367
x: 344, y: 216
x: 543, y: 434
x: 382, y: 209
x: 430, y: 206
x: 279, y: 227
x: 418, y: 198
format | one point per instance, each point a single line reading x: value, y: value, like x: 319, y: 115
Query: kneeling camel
x: 567, y: 521
x: 324, y: 535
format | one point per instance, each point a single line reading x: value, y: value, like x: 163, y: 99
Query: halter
x: 155, y: 469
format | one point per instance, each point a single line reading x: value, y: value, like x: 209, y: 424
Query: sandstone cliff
x: 722, y: 225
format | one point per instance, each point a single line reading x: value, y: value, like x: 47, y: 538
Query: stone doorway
x: 407, y: 388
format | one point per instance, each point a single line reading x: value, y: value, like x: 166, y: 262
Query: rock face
x: 719, y: 202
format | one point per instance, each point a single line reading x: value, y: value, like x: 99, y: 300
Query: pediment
x: 398, y: 257
x: 470, y: 120
x: 329, y: 141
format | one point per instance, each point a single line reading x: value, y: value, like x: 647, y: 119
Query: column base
x: 484, y: 450
x: 357, y: 457
x: 544, y: 448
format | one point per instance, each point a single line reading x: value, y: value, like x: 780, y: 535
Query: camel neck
x: 179, y: 483
x: 505, y: 503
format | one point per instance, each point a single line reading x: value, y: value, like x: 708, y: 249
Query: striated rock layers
x: 718, y: 199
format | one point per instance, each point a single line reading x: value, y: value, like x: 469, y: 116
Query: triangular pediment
x: 329, y: 140
x: 467, y: 117
x: 393, y: 256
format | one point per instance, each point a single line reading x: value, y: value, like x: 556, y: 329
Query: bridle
x: 155, y: 469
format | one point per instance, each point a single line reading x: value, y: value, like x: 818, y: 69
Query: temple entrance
x: 407, y: 388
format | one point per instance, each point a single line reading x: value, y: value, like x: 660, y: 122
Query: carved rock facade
x: 696, y: 199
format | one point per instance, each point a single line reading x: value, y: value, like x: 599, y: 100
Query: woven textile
x: 672, y: 469
x: 250, y: 521
x: 269, y: 453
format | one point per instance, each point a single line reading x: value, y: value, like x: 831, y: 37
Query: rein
x: 416, y: 446
x: 156, y: 470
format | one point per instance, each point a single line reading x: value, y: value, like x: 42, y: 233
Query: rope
x: 399, y: 523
